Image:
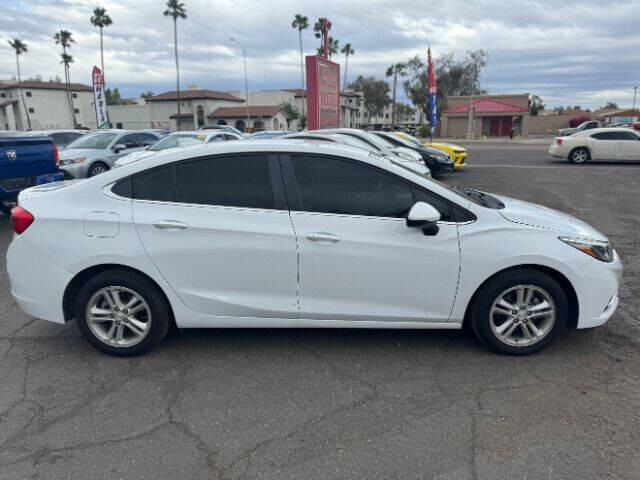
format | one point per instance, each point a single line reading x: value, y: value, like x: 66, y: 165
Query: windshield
x: 410, y: 138
x: 174, y: 140
x: 97, y: 140
x: 383, y: 141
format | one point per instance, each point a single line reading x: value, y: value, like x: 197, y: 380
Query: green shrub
x: 425, y: 131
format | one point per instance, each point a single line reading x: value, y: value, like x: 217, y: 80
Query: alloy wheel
x: 579, y: 156
x: 118, y: 316
x: 522, y: 315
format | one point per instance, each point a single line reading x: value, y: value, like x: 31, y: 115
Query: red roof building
x: 485, y: 116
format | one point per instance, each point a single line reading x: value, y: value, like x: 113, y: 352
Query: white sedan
x: 178, y: 140
x: 300, y: 234
x: 611, y: 143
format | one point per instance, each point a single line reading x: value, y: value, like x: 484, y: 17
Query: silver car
x: 96, y: 152
x: 61, y: 137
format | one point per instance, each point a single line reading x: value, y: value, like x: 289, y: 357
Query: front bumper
x: 75, y: 170
x: 597, y: 292
x: 459, y: 160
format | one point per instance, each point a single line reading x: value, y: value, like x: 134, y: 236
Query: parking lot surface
x: 273, y: 404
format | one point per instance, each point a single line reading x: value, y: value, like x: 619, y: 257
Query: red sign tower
x: 323, y: 84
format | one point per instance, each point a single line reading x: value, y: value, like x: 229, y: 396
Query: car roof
x: 54, y: 130
x: 602, y: 129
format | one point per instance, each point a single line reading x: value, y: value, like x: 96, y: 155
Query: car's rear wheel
x: 579, y: 155
x: 519, y: 312
x: 121, y: 313
x: 97, y: 168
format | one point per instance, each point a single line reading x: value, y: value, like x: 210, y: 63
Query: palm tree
x: 65, y: 39
x: 301, y: 23
x: 347, y: 50
x: 395, y: 70
x: 334, y: 47
x: 176, y: 10
x: 100, y: 19
x: 20, y: 48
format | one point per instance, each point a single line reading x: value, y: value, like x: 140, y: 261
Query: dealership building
x: 47, y: 104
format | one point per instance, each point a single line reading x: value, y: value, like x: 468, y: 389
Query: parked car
x: 437, y: 161
x: 264, y: 134
x: 354, y: 141
x: 61, y: 138
x: 300, y: 234
x: 228, y: 128
x: 588, y: 125
x: 612, y: 143
x: 457, y: 153
x: 96, y: 152
x: 25, y: 162
x: 177, y: 140
x: 383, y: 146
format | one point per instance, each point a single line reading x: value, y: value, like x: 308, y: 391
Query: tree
x: 146, y: 95
x: 536, y: 105
x: 290, y: 112
x: 375, y: 93
x: 64, y: 38
x: 394, y: 71
x: 334, y: 47
x: 610, y: 106
x: 176, y: 10
x: 347, y: 50
x: 112, y: 96
x: 404, y: 111
x: 100, y: 19
x: 301, y: 22
x: 20, y: 48
x: 452, y: 78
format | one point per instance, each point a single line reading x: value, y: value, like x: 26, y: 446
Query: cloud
x: 574, y: 52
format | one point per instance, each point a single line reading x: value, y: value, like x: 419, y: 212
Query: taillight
x: 20, y: 219
x: 558, y: 141
x: 56, y: 157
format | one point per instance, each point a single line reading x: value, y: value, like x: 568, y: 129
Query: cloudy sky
x: 579, y: 53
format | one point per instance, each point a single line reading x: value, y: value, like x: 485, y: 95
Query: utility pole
x: 246, y: 83
x: 635, y: 89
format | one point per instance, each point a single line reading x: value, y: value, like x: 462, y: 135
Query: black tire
x: 147, y: 290
x: 480, y: 310
x: 579, y: 155
x: 97, y: 168
x: 5, y: 207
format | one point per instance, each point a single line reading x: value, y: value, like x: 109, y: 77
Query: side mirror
x: 119, y: 146
x: 424, y: 216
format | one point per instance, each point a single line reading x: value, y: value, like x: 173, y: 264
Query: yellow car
x: 457, y: 153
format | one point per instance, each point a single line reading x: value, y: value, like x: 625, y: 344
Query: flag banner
x: 432, y: 94
x: 99, y: 99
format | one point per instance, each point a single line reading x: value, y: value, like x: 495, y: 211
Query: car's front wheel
x: 519, y: 311
x: 579, y: 155
x: 121, y: 313
x: 97, y: 168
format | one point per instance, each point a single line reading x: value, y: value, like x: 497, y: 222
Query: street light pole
x: 635, y: 89
x: 246, y: 83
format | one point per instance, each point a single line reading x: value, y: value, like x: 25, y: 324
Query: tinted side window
x: 59, y: 138
x: 332, y: 185
x: 234, y: 181
x: 157, y: 184
x: 628, y: 136
x: 129, y: 140
x: 123, y: 188
x: 147, y: 138
x: 439, y: 203
x: 604, y: 136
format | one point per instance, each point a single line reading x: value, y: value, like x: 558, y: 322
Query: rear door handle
x: 323, y: 237
x: 170, y: 225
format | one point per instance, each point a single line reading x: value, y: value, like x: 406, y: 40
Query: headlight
x: 598, y: 249
x: 71, y: 161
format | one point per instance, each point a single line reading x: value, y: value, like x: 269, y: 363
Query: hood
x: 406, y: 153
x: 134, y: 156
x: 79, y: 152
x: 526, y: 213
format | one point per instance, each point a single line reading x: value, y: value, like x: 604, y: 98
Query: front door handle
x: 170, y: 225
x: 323, y: 237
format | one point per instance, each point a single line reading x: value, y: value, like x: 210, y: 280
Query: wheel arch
x: 586, y: 147
x: 82, y: 276
x: 567, y: 287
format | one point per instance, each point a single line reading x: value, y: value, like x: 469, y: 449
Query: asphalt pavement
x: 334, y: 404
